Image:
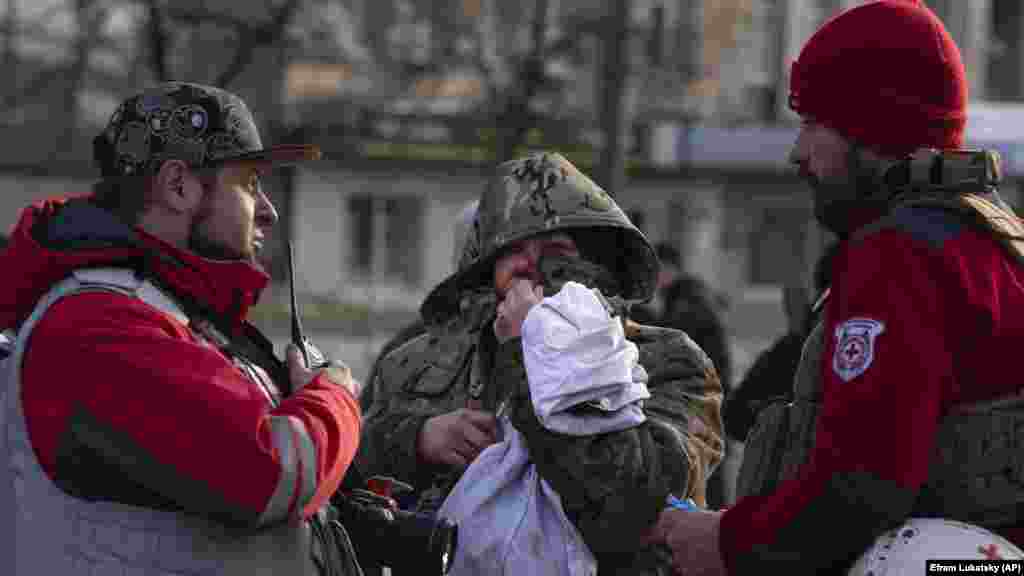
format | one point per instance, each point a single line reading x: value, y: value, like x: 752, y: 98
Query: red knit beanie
x: 886, y: 75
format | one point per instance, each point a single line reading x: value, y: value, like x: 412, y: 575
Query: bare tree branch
x: 197, y: 15
x: 90, y: 17
x: 38, y: 33
x: 261, y: 32
x: 34, y: 88
x: 512, y: 119
x: 49, y: 14
x: 270, y: 32
x: 613, y: 111
x: 45, y: 77
x: 158, y: 41
x: 250, y: 36
x: 10, y: 65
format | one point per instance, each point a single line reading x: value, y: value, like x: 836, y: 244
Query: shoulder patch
x: 855, y: 347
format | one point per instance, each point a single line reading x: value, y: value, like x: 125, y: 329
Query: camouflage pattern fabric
x: 200, y: 125
x: 539, y: 194
x: 612, y: 485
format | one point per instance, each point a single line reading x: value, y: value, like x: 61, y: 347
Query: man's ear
x: 177, y: 188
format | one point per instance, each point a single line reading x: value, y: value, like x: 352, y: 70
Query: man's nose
x: 266, y: 214
x: 526, y: 266
x: 797, y: 156
x: 533, y: 252
x: 793, y: 159
x: 531, y: 269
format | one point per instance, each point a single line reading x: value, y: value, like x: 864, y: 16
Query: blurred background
x: 678, y: 107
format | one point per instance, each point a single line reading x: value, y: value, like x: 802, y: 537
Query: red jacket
x: 113, y: 369
x: 939, y: 307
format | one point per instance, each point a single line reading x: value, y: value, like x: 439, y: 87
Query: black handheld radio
x: 312, y: 355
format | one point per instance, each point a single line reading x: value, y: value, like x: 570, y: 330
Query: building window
x: 360, y: 210
x: 386, y: 237
x: 653, y: 48
x: 763, y: 102
x: 688, y: 52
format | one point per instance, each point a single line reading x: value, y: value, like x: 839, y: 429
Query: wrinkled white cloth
x: 7, y: 341
x: 575, y: 354
x: 510, y: 520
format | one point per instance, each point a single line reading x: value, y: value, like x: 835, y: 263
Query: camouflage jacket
x: 612, y: 485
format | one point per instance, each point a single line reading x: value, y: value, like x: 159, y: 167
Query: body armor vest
x: 976, y: 473
x: 46, y: 531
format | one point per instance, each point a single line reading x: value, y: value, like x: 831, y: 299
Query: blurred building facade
x: 706, y: 94
x: 402, y: 95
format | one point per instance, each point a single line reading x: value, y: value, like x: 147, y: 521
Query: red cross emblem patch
x: 855, y: 347
x: 991, y: 552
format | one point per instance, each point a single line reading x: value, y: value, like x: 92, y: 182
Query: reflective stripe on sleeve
x: 283, y: 443
x: 297, y: 458
x: 306, y: 483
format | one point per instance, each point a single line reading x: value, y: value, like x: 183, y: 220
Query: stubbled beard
x: 200, y: 244
x: 840, y: 203
x: 831, y: 203
x: 211, y: 250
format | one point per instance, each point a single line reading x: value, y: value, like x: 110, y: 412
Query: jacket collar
x: 56, y: 236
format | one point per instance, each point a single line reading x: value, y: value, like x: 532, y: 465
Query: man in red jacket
x: 150, y: 428
x: 899, y: 400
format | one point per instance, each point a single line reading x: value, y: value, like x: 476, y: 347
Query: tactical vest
x: 47, y: 531
x: 976, y: 473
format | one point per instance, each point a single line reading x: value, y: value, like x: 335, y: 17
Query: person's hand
x: 692, y: 536
x: 456, y: 438
x: 337, y: 372
x: 522, y: 295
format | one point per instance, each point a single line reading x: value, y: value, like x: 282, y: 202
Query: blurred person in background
x: 770, y: 378
x: 652, y: 312
x: 149, y: 428
x: 686, y: 302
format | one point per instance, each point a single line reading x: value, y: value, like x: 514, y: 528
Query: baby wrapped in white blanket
x: 510, y: 520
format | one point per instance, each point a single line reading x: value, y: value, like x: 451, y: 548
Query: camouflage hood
x: 538, y: 194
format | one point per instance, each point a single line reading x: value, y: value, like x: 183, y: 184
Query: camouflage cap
x: 201, y: 125
x: 538, y: 194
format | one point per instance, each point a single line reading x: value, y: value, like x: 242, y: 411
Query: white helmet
x: 906, y: 549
